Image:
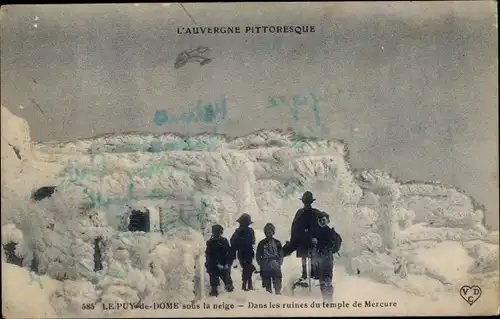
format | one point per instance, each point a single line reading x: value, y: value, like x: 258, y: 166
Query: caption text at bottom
x: 249, y: 305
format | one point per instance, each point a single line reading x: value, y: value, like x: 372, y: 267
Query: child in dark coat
x: 270, y: 259
x: 218, y: 260
x: 326, y: 243
x: 242, y: 243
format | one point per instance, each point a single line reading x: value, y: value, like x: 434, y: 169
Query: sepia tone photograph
x: 249, y: 159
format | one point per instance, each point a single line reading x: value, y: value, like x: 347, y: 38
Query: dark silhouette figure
x: 303, y: 231
x: 270, y: 259
x: 218, y: 260
x: 242, y: 243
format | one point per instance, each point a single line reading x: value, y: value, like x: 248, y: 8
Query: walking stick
x: 311, y: 252
x: 310, y: 273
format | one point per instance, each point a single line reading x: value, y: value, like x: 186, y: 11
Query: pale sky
x: 411, y: 87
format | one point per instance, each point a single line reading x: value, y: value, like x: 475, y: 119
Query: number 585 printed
x: 88, y: 306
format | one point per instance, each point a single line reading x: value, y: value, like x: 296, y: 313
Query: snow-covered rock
x: 392, y: 231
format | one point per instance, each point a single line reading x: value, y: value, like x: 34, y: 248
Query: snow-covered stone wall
x: 386, y: 225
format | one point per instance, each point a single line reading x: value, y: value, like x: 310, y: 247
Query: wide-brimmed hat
x: 245, y: 219
x: 307, y: 197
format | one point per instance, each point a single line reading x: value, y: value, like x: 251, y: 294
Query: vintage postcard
x: 249, y: 160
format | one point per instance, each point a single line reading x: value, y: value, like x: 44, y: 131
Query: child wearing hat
x: 270, y: 259
x: 218, y: 260
x: 242, y: 243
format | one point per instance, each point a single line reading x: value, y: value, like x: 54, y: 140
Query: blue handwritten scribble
x: 314, y: 107
x: 210, y: 114
x: 296, y: 100
x: 282, y: 100
x: 203, y: 113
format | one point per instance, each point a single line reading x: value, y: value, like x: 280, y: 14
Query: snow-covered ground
x: 413, y: 244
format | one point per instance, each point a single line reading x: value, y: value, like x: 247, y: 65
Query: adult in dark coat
x: 303, y: 231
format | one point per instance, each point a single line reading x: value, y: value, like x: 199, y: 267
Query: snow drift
x: 393, y: 232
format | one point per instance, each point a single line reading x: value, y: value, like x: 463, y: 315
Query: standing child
x: 270, y: 258
x: 218, y: 261
x: 242, y: 243
x: 326, y: 243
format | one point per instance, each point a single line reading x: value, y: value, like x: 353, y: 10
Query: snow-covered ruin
x: 77, y: 236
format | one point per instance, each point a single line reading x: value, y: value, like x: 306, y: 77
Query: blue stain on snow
x: 78, y: 174
x: 34, y: 277
x: 208, y: 143
x: 202, y: 143
x: 112, y: 272
x: 291, y: 190
x: 130, y: 190
x: 149, y: 171
x: 156, y: 193
x: 300, y: 144
x: 99, y: 202
x: 186, y: 144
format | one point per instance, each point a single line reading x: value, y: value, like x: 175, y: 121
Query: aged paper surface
x: 130, y: 131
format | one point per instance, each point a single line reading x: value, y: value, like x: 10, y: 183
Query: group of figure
x: 311, y: 238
